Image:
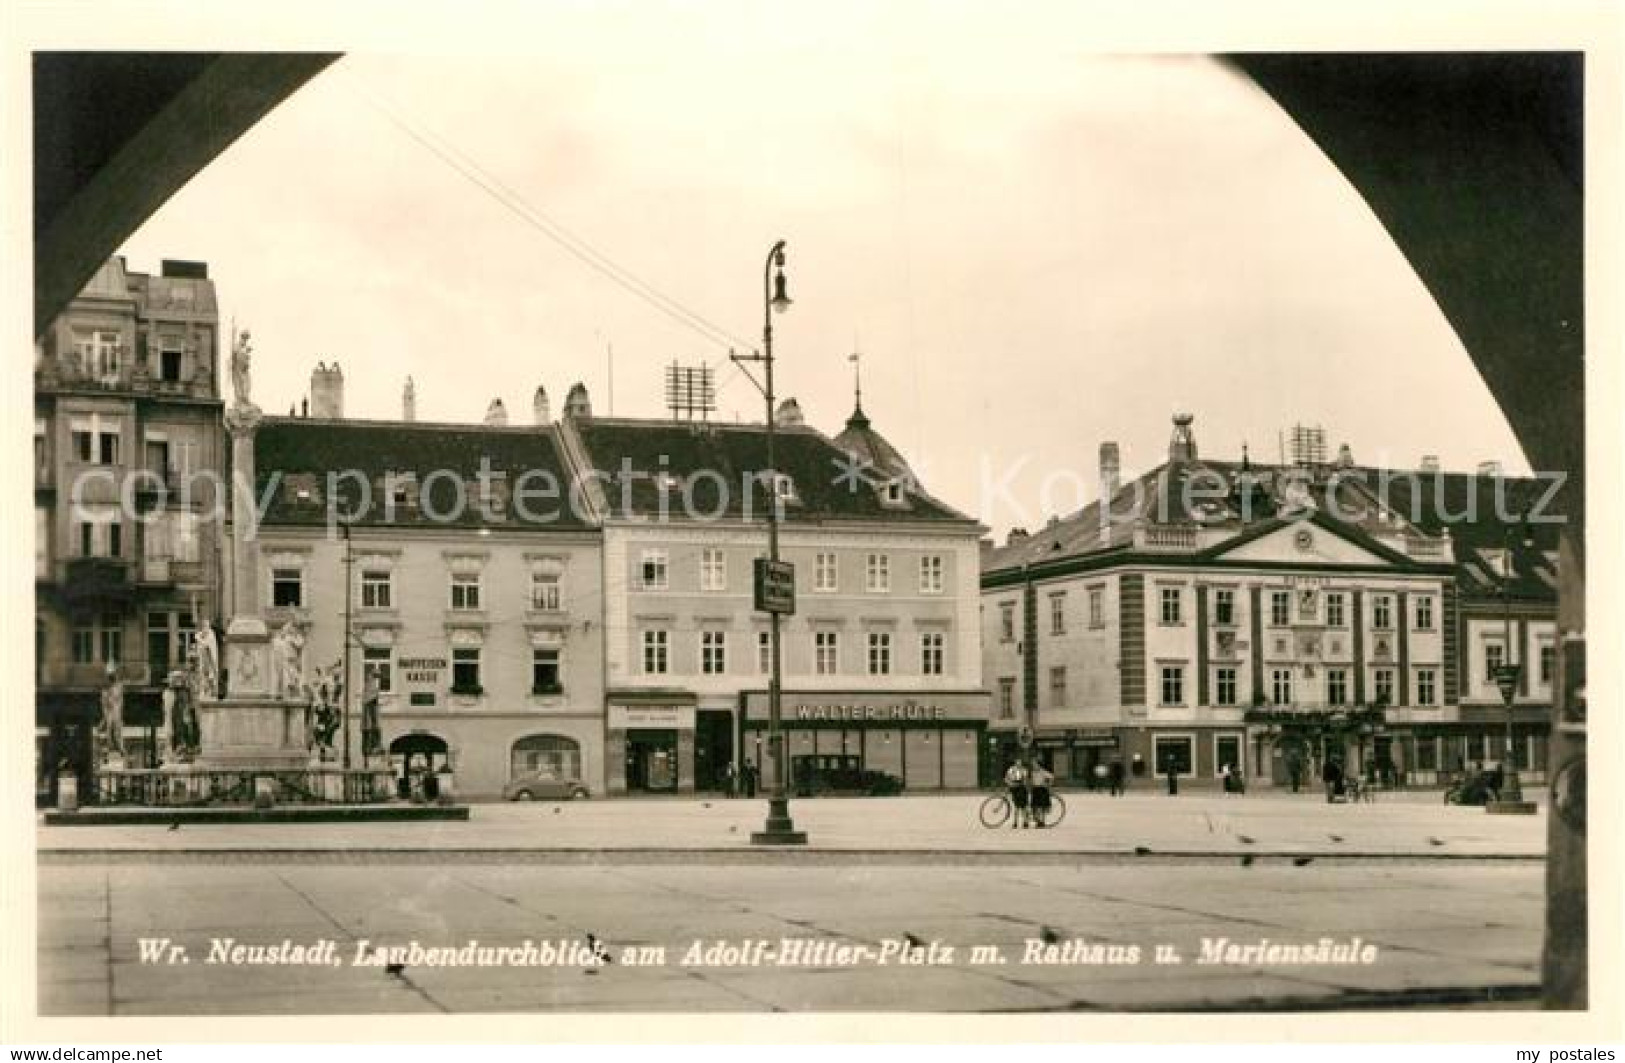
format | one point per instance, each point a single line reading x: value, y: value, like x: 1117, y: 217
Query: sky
x: 1034, y: 248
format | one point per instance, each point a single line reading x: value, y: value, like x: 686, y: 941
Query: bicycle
x: 997, y: 809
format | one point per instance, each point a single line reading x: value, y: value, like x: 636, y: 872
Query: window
x: 1281, y: 686
x: 878, y: 574
x: 1337, y: 686
x: 893, y: 493
x: 784, y: 487
x: 713, y: 570
x: 1173, y: 684
x: 1097, y: 607
x: 931, y: 574
x: 545, y: 593
x: 713, y: 652
x: 1224, y: 686
x: 1334, y: 610
x: 1280, y: 608
x: 1007, y: 621
x: 879, y: 653
x: 107, y: 448
x: 287, y: 588
x: 545, y: 675
x: 652, y: 570
x: 84, y: 445
x: 375, y: 589
x: 84, y: 643
x: 465, y: 670
x: 1170, y: 606
x: 1548, y: 662
x: 1425, y: 687
x: 1424, y: 613
x: 1176, y: 753
x: 1382, y: 685
x: 115, y: 540
x: 110, y: 637
x: 931, y: 653
x: 1495, y: 656
x: 169, y: 364
x: 1007, y: 698
x: 98, y: 353
x: 1057, y: 687
x: 1224, y: 607
x: 1382, y: 612
x: 376, y: 666
x: 825, y: 573
x: 764, y: 652
x: 1057, y: 614
x: 826, y: 653
x: 656, y: 645
x: 465, y: 590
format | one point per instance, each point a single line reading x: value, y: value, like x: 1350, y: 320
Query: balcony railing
x: 88, y: 580
x: 1166, y: 537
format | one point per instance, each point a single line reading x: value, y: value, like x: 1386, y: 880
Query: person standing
x: 1039, y: 781
x: 1332, y: 775
x: 1115, y: 773
x: 1015, y: 782
x: 1172, y: 771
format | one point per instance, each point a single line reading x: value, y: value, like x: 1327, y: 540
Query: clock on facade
x: 1303, y: 540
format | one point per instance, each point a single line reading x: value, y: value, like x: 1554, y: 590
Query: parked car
x: 535, y: 787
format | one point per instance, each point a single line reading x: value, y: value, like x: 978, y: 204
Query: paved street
x: 1414, y: 824
x: 1448, y: 898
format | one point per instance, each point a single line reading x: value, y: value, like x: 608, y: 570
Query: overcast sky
x: 1035, y: 249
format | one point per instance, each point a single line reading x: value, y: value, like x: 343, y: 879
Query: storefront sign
x: 873, y: 709
x: 663, y: 717
x: 422, y: 670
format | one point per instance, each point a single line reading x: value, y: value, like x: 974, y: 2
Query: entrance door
x: 1227, y: 750
x: 651, y: 761
x: 713, y: 749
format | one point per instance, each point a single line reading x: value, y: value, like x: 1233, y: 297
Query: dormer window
x: 892, y: 494
x: 784, y: 488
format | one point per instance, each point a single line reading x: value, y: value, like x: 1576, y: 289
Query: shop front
x: 651, y: 742
x: 925, y: 742
x: 1074, y: 753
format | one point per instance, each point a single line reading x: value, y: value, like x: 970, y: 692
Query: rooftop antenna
x: 690, y: 391
x: 856, y: 358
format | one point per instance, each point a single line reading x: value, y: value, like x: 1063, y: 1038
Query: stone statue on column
x: 111, y: 728
x: 242, y: 353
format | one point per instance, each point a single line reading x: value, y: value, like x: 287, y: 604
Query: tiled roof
x: 1361, y: 502
x: 302, y: 452
x: 710, y: 456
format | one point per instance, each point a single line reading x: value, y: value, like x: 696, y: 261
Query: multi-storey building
x: 127, y: 460
x: 1217, y: 613
x: 474, y: 602
x: 881, y: 661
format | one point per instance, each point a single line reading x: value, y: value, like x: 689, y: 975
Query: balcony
x: 94, y: 674
x: 97, y: 580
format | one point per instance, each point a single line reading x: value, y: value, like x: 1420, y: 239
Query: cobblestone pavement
x: 1406, y: 824
x: 1441, y: 933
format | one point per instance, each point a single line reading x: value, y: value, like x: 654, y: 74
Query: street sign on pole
x: 1025, y: 736
x: 1506, y: 677
x: 775, y: 586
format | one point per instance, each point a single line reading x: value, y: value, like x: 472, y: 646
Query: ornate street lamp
x: 779, y: 829
x: 1511, y: 800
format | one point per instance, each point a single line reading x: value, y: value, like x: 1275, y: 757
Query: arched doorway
x: 417, y: 751
x: 550, y: 756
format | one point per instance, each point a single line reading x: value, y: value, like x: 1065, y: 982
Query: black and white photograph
x: 728, y: 513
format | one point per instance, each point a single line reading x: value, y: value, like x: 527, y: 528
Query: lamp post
x: 779, y: 829
x: 344, y: 686
x: 1511, y: 800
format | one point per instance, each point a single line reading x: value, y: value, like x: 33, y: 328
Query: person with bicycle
x: 1015, y: 781
x: 1039, y: 781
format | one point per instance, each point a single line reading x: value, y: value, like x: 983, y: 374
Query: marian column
x: 251, y: 725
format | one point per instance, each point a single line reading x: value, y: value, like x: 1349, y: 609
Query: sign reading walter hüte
x: 876, y: 708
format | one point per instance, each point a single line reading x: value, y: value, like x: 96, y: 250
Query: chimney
x: 577, y: 404
x: 327, y: 392
x: 409, y: 401
x: 789, y: 415
x: 539, y: 411
x: 1489, y: 468
x: 1430, y: 463
x: 1182, y: 446
x: 1345, y: 457
x: 304, y: 406
x: 1111, y: 468
x: 1017, y: 535
x: 496, y: 415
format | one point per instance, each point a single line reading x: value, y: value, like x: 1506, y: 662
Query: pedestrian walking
x: 1331, y: 773
x: 1115, y: 773
x: 1039, y: 781
x: 750, y: 780
x: 1172, y: 772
